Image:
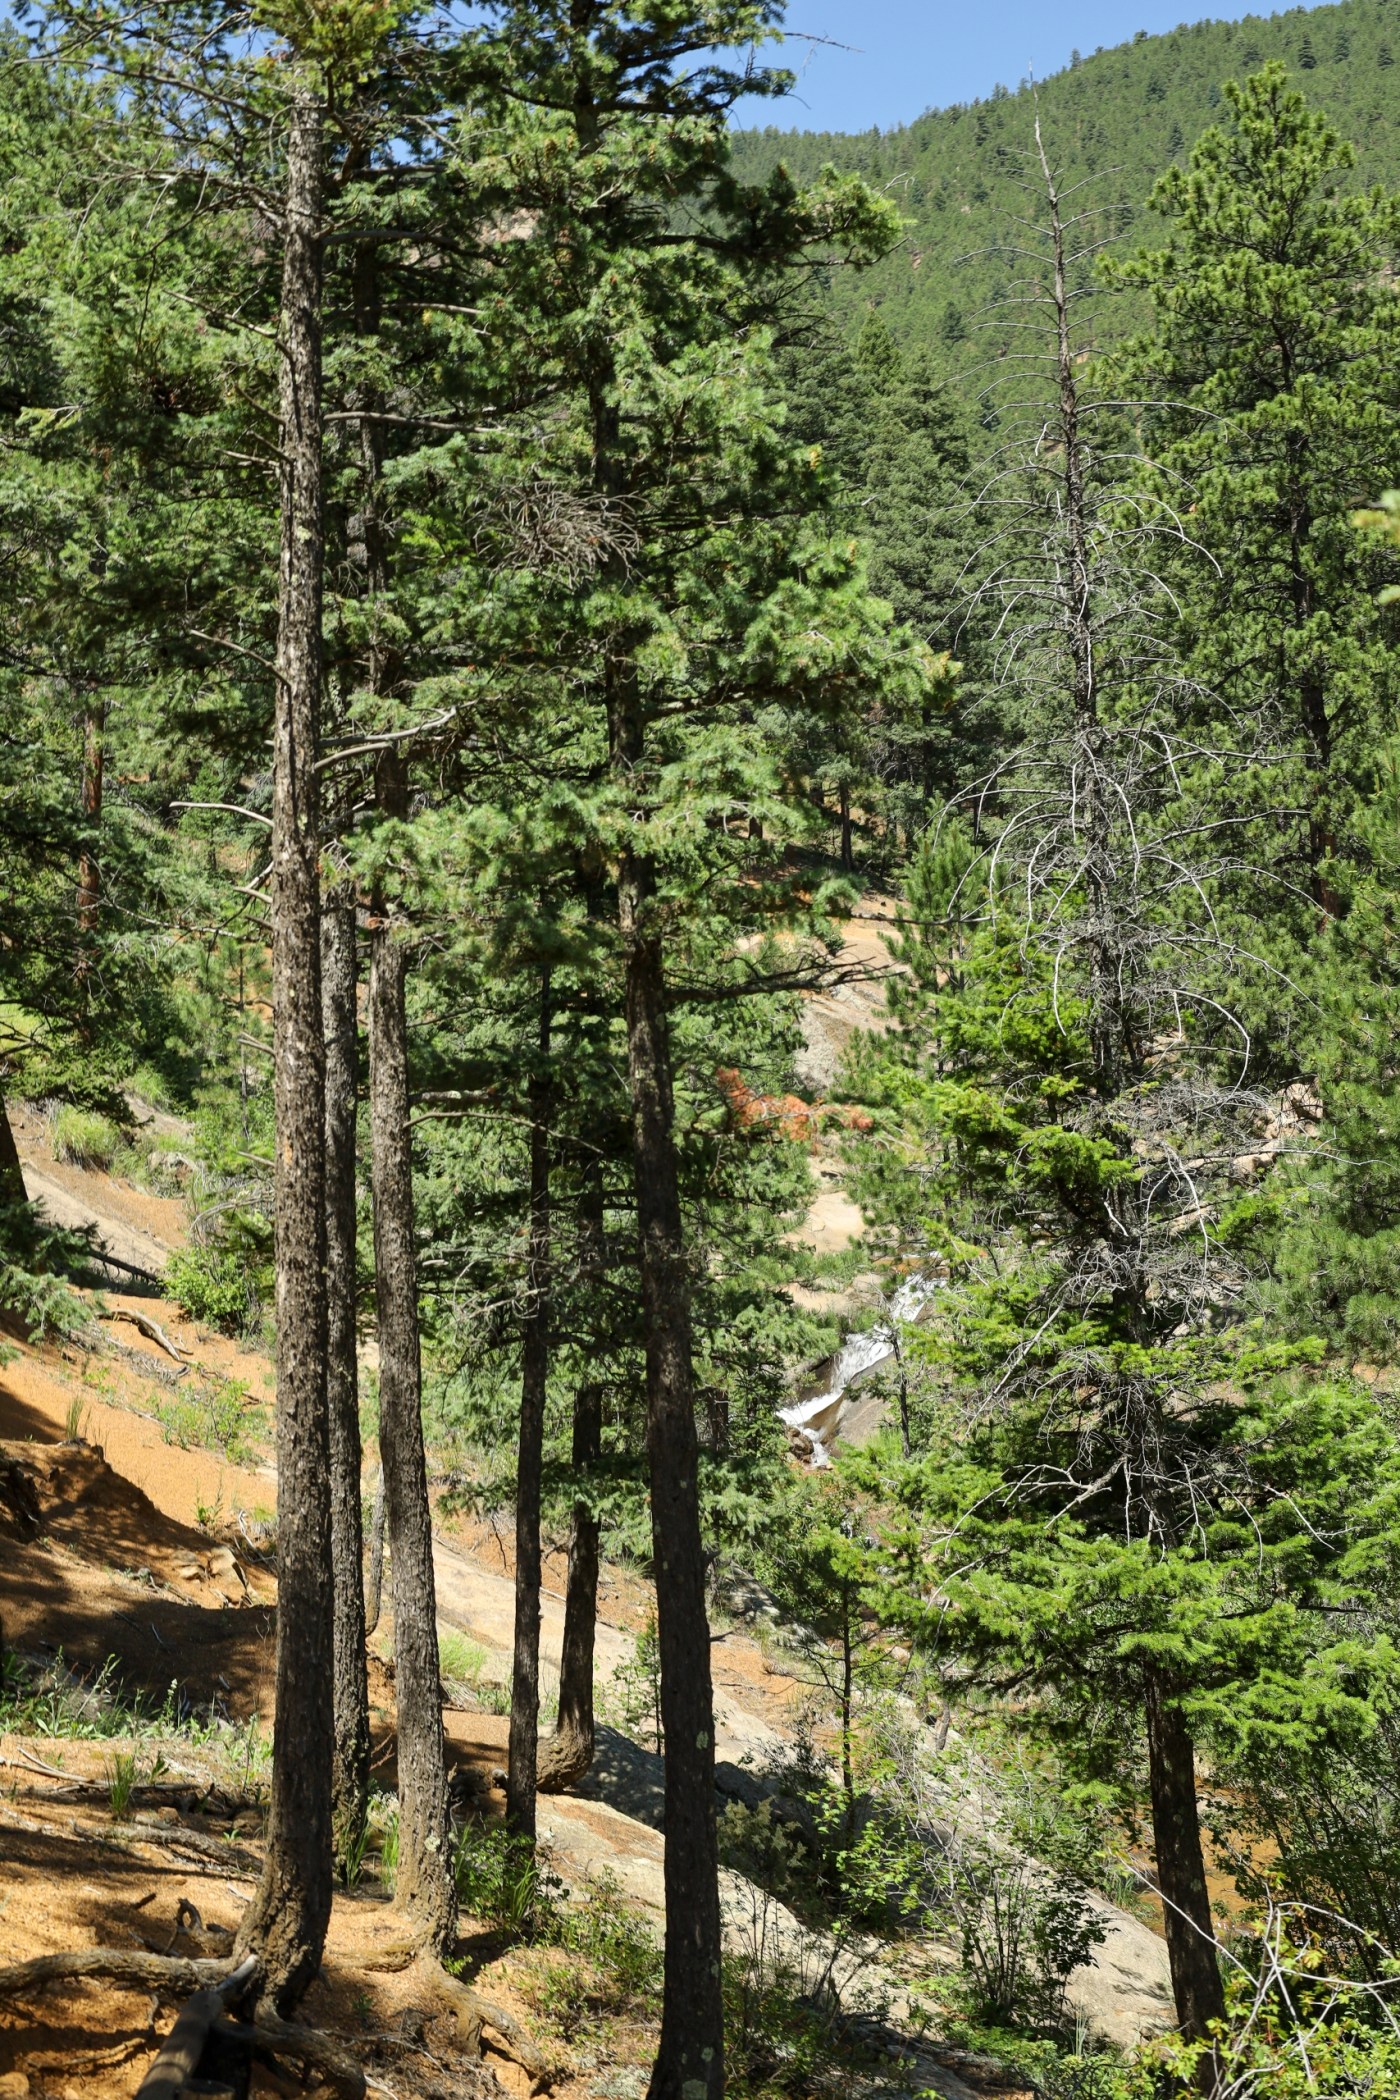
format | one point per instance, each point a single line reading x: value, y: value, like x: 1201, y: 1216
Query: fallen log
x: 152, y: 1330
x: 161, y: 1972
x: 149, y: 1366
x: 179, y: 2054
x: 128, y: 1268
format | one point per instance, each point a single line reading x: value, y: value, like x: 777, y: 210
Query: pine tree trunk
x: 690, y: 2058
x: 525, y: 1674
x: 423, y: 1885
x: 12, y: 1189
x: 848, y: 857
x: 1181, y: 1870
x: 374, y: 1588
x: 689, y: 2061
x: 567, y: 1755
x: 350, y: 1770
x: 285, y: 1926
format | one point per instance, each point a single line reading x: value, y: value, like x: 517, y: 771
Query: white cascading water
x: 817, y: 1416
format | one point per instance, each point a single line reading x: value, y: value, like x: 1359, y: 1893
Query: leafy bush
x: 1293, y: 2030
x: 1024, y: 1932
x: 791, y: 2011
x: 84, y: 1138
x: 500, y: 1879
x: 226, y: 1282
x: 1318, y: 1822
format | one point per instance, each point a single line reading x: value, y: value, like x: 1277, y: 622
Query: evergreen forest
x: 699, y: 1110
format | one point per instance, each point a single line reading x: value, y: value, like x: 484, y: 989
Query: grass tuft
x: 84, y: 1138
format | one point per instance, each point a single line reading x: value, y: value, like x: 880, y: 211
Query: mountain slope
x: 1119, y: 117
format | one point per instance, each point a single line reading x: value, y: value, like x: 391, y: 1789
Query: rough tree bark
x: 690, y: 2057
x: 525, y: 1672
x: 285, y: 1925
x: 423, y: 1888
x: 374, y: 1588
x: 1181, y: 1869
x: 568, y: 1753
x: 350, y: 1767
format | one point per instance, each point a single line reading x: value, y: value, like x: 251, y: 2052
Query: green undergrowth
x: 50, y: 1700
x: 461, y: 1661
x: 84, y: 1138
x: 214, y: 1414
x: 226, y: 1281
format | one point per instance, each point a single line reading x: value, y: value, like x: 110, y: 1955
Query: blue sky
x: 905, y: 56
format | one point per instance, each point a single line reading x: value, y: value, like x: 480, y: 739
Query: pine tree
x: 1271, y: 346
x: 210, y: 97
x: 1279, y: 409
x: 924, y: 526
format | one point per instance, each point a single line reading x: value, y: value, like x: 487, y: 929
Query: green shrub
x: 611, y: 1965
x: 213, y: 1414
x: 1024, y: 1934
x: 460, y: 1663
x: 1320, y: 1825
x: 52, y: 1700
x: 500, y: 1879
x: 784, y: 2034
x: 1294, y: 2030
x: 225, y: 1282
x: 84, y: 1138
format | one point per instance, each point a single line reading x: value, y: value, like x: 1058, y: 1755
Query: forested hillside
x: 1119, y: 116
x: 699, y: 1116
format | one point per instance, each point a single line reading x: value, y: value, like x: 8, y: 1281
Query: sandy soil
x: 76, y: 1876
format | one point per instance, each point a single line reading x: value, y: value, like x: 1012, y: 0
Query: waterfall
x: 818, y: 1415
